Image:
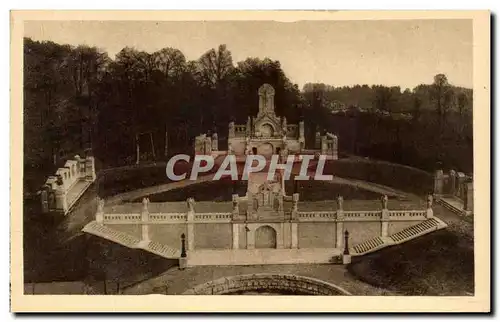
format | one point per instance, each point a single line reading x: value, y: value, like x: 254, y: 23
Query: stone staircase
x: 129, y: 241
x: 454, y: 205
x: 412, y: 232
x: 368, y: 246
x: 409, y: 233
x: 162, y: 250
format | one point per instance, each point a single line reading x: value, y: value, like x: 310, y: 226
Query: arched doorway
x: 266, y: 150
x: 265, y: 237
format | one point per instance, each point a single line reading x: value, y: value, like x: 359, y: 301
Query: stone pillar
x: 249, y: 127
x: 469, y: 196
x: 295, y: 235
x: 215, y: 142
x: 236, y: 236
x: 231, y: 133
x: 250, y: 238
x: 460, y: 185
x: 340, y: 222
x: 384, y: 217
x: 61, y: 201
x: 438, y: 182
x: 145, y: 220
x: 295, y: 205
x: 452, y: 182
x: 90, y: 168
x: 236, y: 207
x: 429, y: 212
x: 190, y: 224
x: 335, y: 154
x: 99, y: 215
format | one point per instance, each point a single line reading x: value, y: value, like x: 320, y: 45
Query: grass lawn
x: 440, y: 263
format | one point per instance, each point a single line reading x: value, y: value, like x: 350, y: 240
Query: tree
x: 383, y: 100
x: 442, y: 96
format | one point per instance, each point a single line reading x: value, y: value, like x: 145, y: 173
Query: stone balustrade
x: 455, y: 184
x: 61, y: 191
x: 406, y: 215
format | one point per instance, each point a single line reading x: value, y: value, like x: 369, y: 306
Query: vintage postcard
x: 310, y: 161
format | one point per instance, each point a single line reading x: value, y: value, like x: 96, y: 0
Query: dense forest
x: 78, y: 99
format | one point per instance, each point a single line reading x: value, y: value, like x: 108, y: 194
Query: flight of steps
x: 412, y: 232
x: 454, y: 205
x: 162, y: 250
x: 368, y: 246
x: 129, y: 241
x: 111, y: 234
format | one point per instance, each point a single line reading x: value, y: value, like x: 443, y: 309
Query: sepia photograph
x: 285, y: 156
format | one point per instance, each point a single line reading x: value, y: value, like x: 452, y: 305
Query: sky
x: 402, y: 53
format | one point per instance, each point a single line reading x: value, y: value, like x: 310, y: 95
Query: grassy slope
x: 441, y: 263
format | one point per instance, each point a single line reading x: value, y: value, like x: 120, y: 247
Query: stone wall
x: 361, y: 231
x: 168, y: 234
x: 317, y: 235
x: 212, y: 236
x: 397, y: 226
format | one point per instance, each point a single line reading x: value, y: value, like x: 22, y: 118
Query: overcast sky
x: 402, y: 53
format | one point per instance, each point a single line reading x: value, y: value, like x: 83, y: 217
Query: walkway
x: 175, y: 281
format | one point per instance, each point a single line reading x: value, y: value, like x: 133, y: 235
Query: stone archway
x: 267, y: 283
x: 265, y: 237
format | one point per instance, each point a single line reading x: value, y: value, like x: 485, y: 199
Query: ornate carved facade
x: 266, y: 133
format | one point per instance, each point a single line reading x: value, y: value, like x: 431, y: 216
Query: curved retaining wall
x: 274, y: 283
x: 393, y: 175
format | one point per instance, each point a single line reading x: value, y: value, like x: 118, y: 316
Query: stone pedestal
x: 182, y: 263
x: 346, y: 259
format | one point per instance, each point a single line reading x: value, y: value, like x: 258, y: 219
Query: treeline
x: 78, y: 98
